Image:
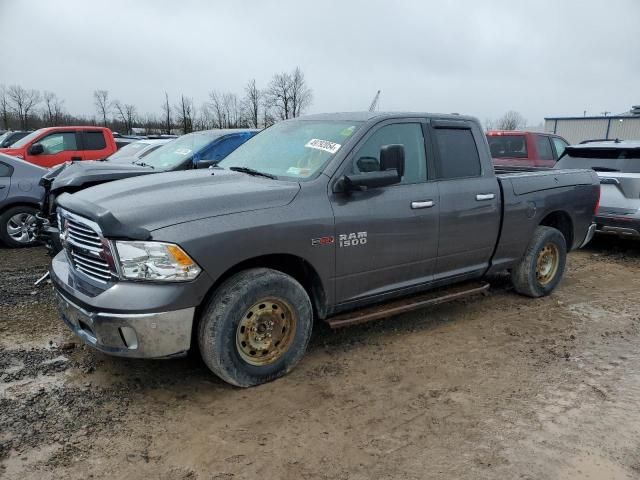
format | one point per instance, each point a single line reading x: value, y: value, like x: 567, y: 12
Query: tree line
x: 287, y: 95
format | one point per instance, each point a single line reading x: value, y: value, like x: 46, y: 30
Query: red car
x: 525, y: 149
x: 52, y: 146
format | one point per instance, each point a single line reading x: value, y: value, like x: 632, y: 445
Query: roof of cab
x: 366, y: 116
x: 609, y: 144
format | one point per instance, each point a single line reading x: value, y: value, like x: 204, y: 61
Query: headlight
x: 155, y: 261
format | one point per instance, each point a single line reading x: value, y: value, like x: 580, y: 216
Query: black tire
x: 6, y: 217
x: 220, y: 322
x: 525, y: 277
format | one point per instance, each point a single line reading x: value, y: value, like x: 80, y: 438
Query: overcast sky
x: 541, y: 58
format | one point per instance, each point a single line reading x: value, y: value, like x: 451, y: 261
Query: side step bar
x: 396, y: 307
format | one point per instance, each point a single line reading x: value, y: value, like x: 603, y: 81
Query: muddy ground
x: 498, y: 386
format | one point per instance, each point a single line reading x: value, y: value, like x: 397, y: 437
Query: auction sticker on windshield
x: 183, y: 151
x: 325, y: 145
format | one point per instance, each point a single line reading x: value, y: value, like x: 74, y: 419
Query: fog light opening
x: 129, y: 337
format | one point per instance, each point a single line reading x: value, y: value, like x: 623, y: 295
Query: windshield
x: 507, y: 146
x: 128, y: 150
x: 179, y: 150
x: 296, y: 149
x: 25, y: 140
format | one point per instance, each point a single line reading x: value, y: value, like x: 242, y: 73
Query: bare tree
x: 218, y: 111
x: 301, y: 94
x: 511, y: 120
x: 185, y: 112
x: 4, y: 107
x: 102, y: 103
x: 279, y: 95
x: 489, y: 124
x: 53, y: 109
x: 166, y: 109
x: 127, y: 114
x: 22, y: 101
x: 252, y: 102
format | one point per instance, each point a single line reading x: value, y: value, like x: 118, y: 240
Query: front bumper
x: 144, y: 335
x: 127, y: 319
x: 623, y: 226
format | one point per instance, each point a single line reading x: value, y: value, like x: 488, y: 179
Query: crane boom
x: 374, y: 103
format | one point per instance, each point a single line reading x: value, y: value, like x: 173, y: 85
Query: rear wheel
x: 542, y: 266
x: 18, y: 226
x: 256, y: 327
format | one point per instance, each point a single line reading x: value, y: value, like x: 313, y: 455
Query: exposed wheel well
x: 292, y: 265
x: 560, y: 221
x: 18, y: 204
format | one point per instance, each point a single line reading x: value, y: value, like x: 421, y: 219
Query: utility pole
x: 605, y: 113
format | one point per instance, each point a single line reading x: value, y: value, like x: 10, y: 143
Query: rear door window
x: 93, y: 141
x: 544, y: 148
x: 457, y: 154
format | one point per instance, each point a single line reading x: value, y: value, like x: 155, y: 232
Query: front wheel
x: 18, y: 226
x: 256, y: 327
x: 542, y: 266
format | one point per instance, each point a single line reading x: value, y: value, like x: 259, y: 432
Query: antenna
x: 374, y: 103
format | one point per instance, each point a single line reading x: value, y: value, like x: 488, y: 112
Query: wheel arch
x: 297, y: 267
x: 561, y: 221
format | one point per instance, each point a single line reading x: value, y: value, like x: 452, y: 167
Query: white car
x: 136, y: 150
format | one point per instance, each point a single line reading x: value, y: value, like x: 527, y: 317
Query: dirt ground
x: 498, y: 386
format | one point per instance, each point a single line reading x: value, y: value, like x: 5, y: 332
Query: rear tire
x: 18, y: 226
x: 542, y: 266
x: 256, y: 327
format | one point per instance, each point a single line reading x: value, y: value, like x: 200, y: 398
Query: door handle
x: 76, y: 158
x: 425, y: 204
x: 485, y: 196
x: 2, y: 187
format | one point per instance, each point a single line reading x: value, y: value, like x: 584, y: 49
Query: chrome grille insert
x: 88, y: 252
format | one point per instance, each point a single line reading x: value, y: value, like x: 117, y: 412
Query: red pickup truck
x: 525, y: 149
x: 52, y: 146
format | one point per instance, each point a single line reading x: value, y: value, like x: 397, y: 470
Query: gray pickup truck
x: 340, y: 217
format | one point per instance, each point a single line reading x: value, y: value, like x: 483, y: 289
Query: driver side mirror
x: 36, y: 149
x: 390, y: 172
x: 392, y: 156
x: 206, y: 163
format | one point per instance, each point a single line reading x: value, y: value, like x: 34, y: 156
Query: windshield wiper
x: 142, y: 164
x: 251, y: 171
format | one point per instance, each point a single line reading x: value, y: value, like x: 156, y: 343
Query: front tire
x: 256, y: 327
x: 542, y: 266
x: 18, y: 226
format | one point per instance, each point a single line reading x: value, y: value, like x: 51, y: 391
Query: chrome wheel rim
x: 266, y: 332
x: 547, y: 263
x: 21, y: 228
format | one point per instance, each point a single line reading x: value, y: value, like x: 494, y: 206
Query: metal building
x: 625, y: 126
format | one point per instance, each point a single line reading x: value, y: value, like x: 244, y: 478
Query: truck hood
x: 131, y: 207
x: 73, y: 176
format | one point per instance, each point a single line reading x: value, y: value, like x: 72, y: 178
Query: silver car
x: 617, y: 163
x: 20, y: 196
